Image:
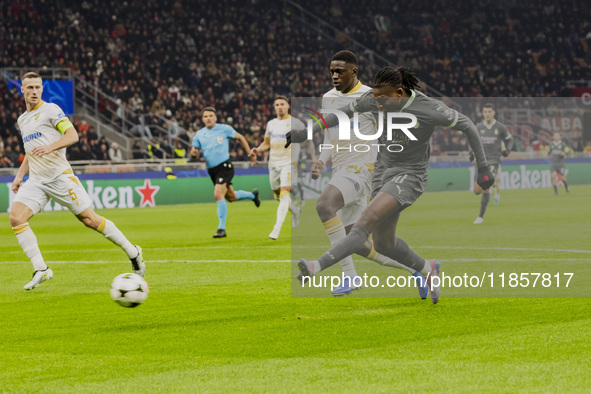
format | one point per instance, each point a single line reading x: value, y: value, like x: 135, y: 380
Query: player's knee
x: 325, y: 209
x: 16, y: 219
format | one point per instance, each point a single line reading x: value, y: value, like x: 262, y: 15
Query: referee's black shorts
x: 222, y: 173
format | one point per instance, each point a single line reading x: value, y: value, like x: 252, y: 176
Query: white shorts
x: 354, y: 183
x: 66, y: 190
x: 280, y: 176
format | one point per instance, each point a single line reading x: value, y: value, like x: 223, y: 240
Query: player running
x: 213, y: 140
x: 343, y: 200
x: 46, y: 133
x: 557, y: 152
x: 282, y: 162
x: 401, y: 175
x: 492, y: 134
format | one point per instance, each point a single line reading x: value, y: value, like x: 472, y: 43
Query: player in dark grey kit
x: 401, y: 175
x: 492, y: 134
x: 558, y: 150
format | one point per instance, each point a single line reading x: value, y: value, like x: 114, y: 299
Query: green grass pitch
x: 222, y: 316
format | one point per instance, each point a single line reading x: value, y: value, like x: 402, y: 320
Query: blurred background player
x: 46, y: 133
x: 213, y: 140
x: 282, y: 161
x: 493, y: 135
x: 345, y: 197
x: 401, y: 175
x: 557, y: 152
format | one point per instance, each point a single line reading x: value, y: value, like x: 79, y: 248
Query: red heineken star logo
x: 147, y: 192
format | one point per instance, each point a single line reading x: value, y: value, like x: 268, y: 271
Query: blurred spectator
x: 103, y: 153
x: 115, y: 153
x: 138, y: 152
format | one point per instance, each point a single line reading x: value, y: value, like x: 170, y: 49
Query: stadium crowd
x: 170, y: 58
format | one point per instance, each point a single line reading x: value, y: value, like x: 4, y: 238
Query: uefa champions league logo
x: 394, y: 121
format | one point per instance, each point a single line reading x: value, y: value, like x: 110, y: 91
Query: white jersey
x: 39, y: 127
x: 346, y: 156
x: 276, y: 131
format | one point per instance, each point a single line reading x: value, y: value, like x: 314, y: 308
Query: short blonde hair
x: 31, y: 74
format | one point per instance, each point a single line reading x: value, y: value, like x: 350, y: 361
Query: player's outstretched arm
x: 300, y: 135
x: 70, y: 137
x: 22, y: 171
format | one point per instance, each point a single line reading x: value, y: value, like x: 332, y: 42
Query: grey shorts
x: 494, y: 169
x: 557, y: 168
x: 405, y: 185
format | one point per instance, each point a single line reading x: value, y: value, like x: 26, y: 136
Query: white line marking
x: 153, y: 261
x: 502, y: 248
x: 274, y: 261
x: 469, y: 248
x: 169, y: 248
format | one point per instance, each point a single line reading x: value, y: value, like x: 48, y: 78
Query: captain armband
x: 64, y: 125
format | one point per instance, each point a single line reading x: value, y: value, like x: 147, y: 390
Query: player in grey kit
x: 558, y: 150
x: 401, y: 175
x: 492, y: 134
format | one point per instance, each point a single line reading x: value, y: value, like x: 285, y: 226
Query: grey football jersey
x: 430, y: 113
x: 491, y: 137
x: 557, y: 152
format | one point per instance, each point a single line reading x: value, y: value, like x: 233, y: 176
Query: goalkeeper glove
x: 485, y: 178
x: 295, y: 136
x: 506, y: 152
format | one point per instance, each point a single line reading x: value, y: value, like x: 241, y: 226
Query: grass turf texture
x: 220, y: 316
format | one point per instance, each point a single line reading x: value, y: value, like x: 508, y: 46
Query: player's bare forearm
x: 264, y: 146
x: 24, y: 168
x: 70, y: 137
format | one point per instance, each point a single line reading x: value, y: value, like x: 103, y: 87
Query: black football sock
x: 402, y: 253
x: 347, y: 246
x: 484, y: 203
x: 566, y: 187
x: 555, y: 190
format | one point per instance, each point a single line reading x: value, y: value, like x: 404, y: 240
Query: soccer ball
x: 129, y: 290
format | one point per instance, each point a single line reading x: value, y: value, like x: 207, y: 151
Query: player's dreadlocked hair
x: 396, y: 77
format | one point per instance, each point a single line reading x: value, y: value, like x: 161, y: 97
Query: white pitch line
x: 279, y: 261
x: 167, y: 248
x: 308, y: 247
x: 472, y: 248
x: 154, y: 261
x: 503, y: 248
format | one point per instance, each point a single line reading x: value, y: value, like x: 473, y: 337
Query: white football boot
x: 38, y: 278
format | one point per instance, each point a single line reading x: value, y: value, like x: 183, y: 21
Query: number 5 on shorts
x: 71, y: 193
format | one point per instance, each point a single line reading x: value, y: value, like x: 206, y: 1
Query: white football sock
x: 284, y: 202
x: 28, y: 242
x: 336, y: 231
x: 426, y: 269
x: 113, y: 234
